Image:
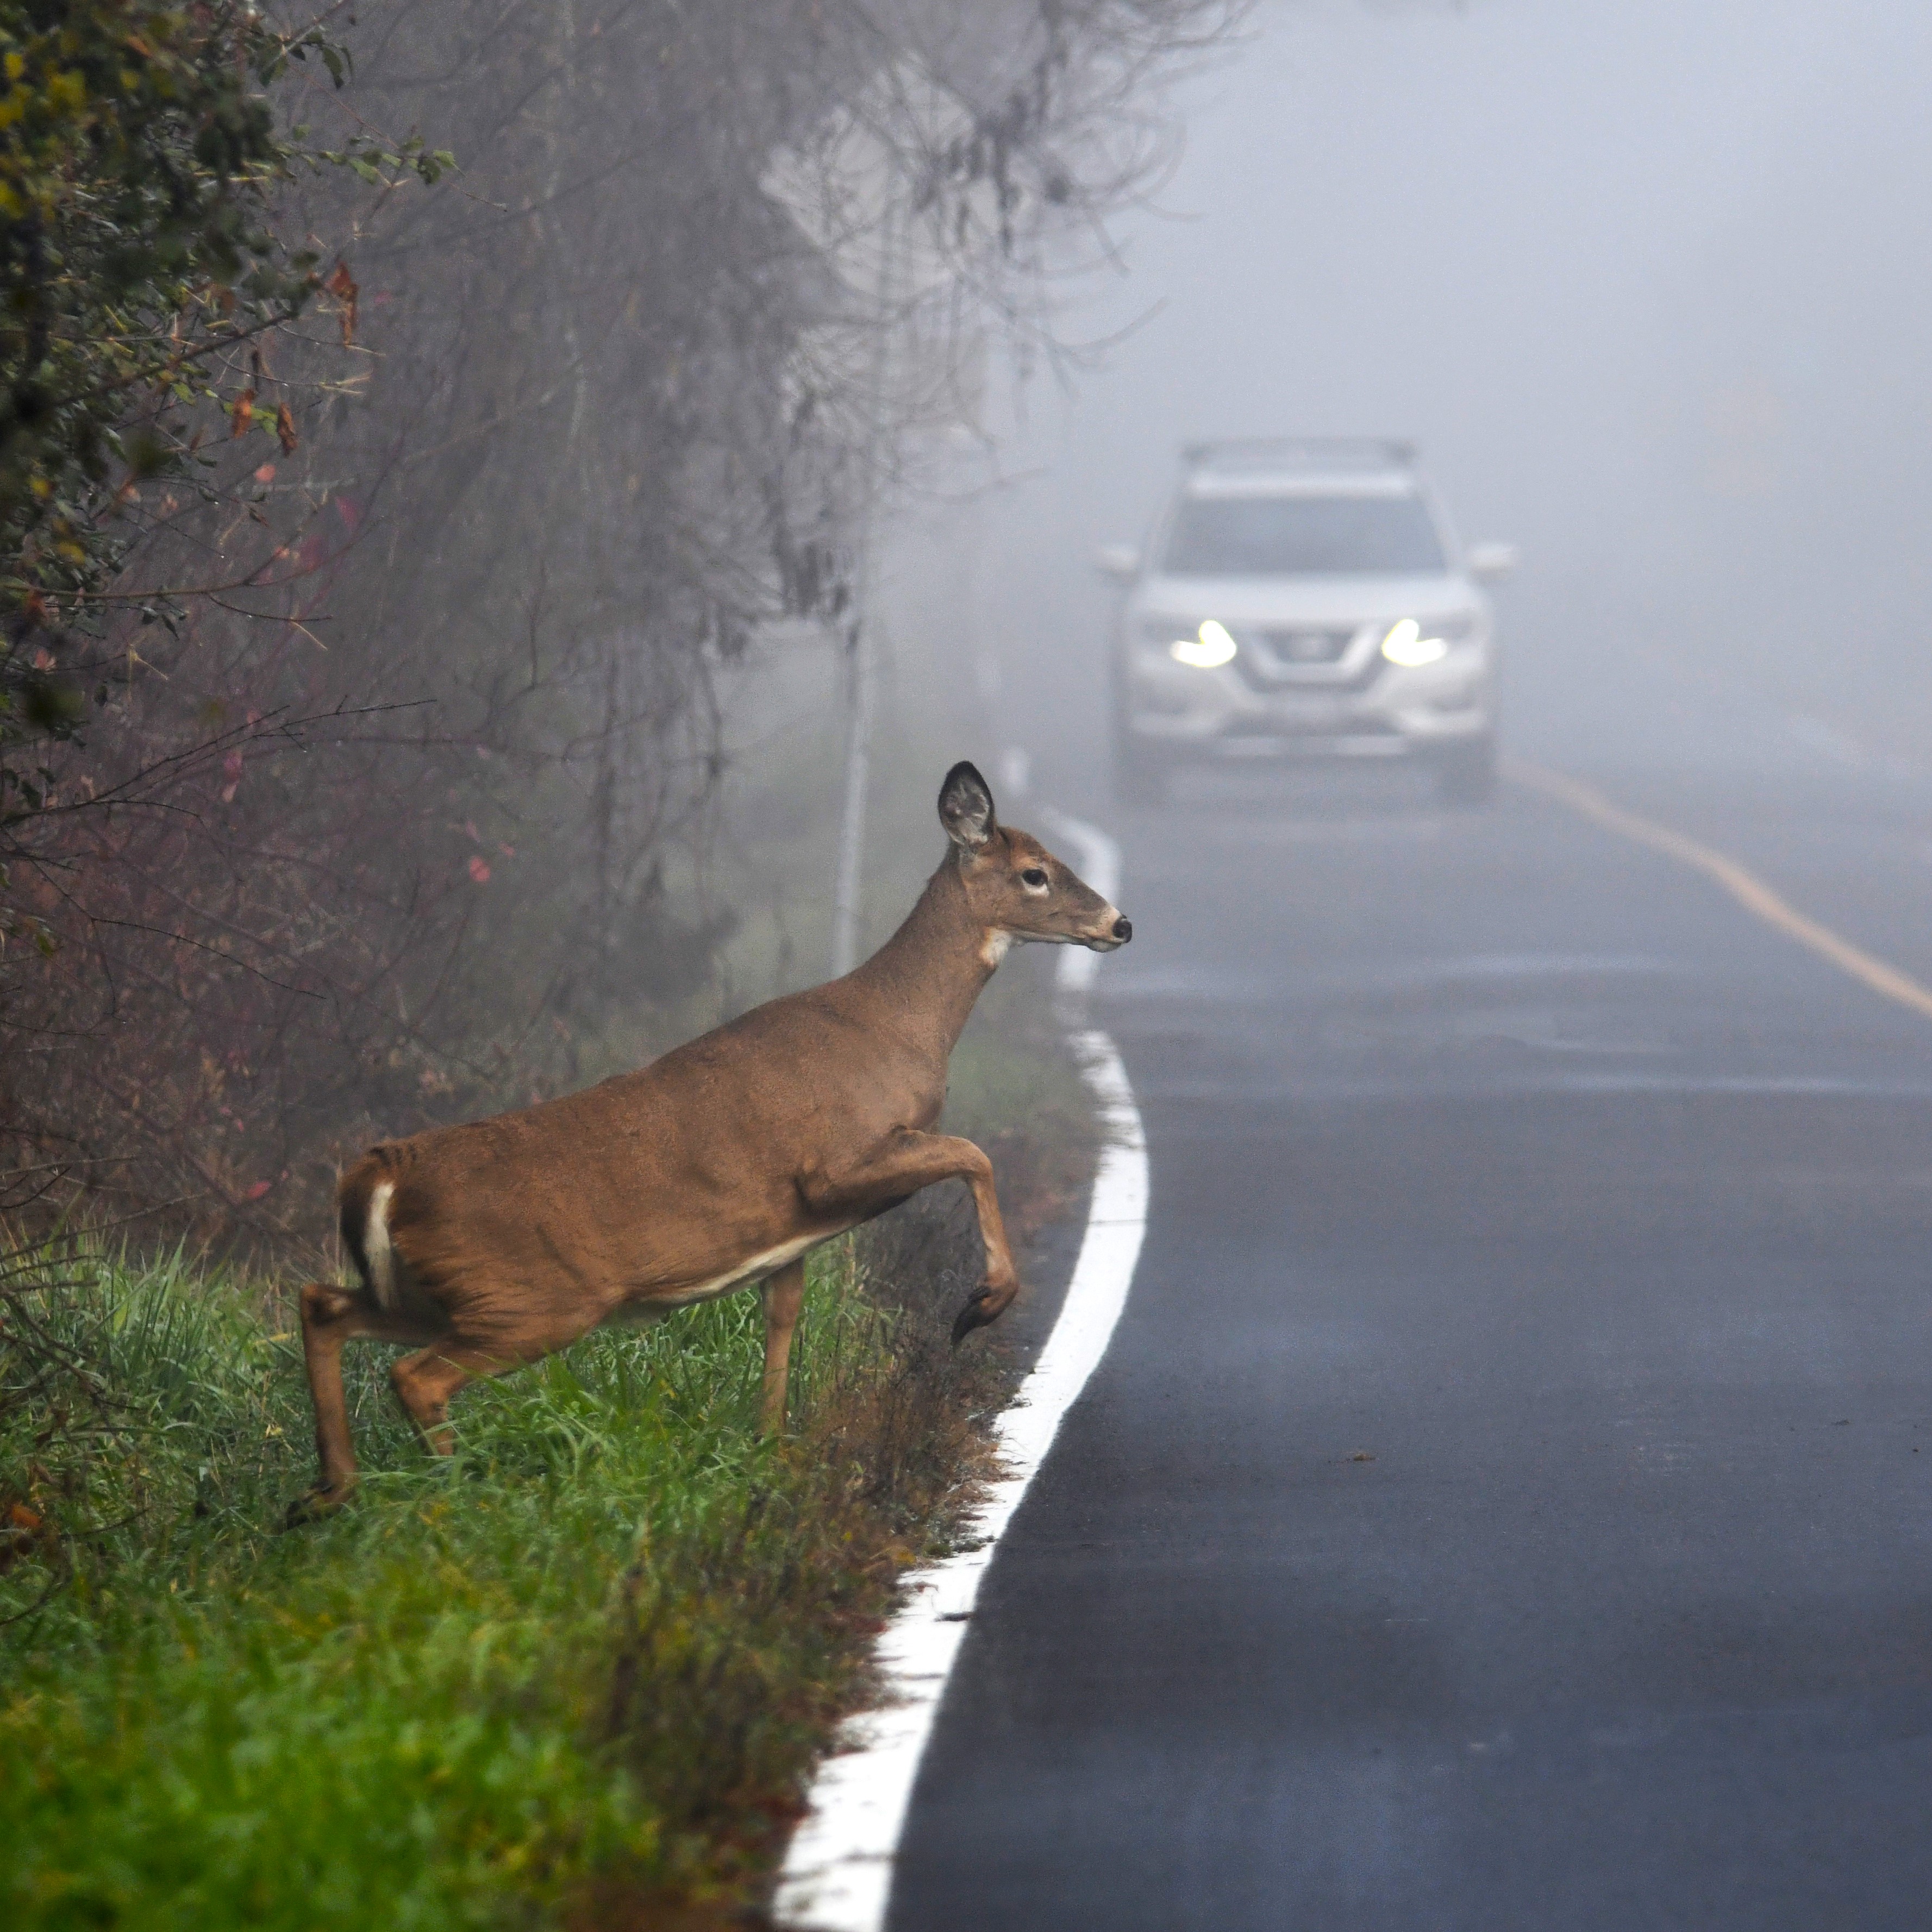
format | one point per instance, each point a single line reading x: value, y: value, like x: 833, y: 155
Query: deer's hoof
x: 312, y: 1505
x: 984, y: 1307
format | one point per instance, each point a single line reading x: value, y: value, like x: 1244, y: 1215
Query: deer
x: 718, y: 1167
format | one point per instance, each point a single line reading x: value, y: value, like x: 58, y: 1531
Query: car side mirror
x: 1491, y: 562
x: 1119, y: 561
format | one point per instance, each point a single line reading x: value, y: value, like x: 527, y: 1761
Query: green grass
x: 573, y: 1676
x: 586, y: 1660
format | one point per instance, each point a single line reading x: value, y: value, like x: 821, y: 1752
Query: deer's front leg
x: 903, y: 1164
x: 784, y: 1296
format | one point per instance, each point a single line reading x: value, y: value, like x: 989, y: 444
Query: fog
x: 1640, y: 282
x: 1643, y: 283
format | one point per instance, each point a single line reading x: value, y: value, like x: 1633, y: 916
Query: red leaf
x: 479, y: 871
x: 341, y: 284
x: 257, y: 1189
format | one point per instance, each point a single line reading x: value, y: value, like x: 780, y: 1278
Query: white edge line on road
x: 838, y: 1874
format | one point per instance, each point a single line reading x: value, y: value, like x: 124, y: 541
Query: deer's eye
x: 1034, y: 876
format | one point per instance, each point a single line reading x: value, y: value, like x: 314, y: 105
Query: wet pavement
x: 1503, y: 1505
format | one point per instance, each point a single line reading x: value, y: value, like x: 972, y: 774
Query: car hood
x: 1304, y: 600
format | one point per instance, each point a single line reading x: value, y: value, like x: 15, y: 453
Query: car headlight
x: 1211, y: 646
x: 1412, y: 642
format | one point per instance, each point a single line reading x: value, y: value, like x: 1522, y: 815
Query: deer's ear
x: 966, y: 807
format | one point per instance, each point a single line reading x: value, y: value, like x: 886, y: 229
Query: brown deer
x: 718, y: 1166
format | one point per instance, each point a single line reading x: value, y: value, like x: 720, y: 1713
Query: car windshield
x: 1304, y: 536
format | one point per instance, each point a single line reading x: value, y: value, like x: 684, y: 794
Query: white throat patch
x: 994, y: 947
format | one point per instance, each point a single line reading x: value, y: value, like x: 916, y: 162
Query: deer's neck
x: 928, y: 975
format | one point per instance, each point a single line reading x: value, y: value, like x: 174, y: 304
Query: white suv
x: 1304, y: 598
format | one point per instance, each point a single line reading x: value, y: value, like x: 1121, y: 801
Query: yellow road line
x: 1750, y: 891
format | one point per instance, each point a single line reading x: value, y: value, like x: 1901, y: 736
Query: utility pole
x: 861, y: 656
x: 861, y: 696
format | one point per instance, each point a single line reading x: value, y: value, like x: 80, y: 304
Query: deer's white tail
x: 379, y: 1257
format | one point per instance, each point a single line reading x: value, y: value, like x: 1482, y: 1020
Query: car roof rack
x: 1301, y: 452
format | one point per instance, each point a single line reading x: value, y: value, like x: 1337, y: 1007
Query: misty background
x: 754, y: 348
x: 1648, y: 285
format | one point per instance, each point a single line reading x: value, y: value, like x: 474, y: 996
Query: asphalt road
x: 1503, y: 1504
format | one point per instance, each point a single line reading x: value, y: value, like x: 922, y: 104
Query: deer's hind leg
x: 330, y: 1317
x: 490, y: 1328
x: 425, y: 1381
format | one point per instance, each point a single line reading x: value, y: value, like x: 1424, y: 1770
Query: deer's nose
x: 1123, y: 930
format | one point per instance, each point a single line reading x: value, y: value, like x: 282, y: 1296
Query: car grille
x: 1273, y: 658
x: 1289, y: 648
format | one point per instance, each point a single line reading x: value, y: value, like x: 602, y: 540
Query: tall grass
x: 573, y: 1675
x: 586, y: 1658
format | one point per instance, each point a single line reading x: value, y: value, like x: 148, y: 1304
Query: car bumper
x: 1182, y: 713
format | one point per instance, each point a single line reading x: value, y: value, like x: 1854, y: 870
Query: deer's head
x: 1015, y: 888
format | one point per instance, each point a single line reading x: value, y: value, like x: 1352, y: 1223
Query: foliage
x: 143, y: 283
x: 593, y: 1653
x: 140, y: 269
x: 412, y: 816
